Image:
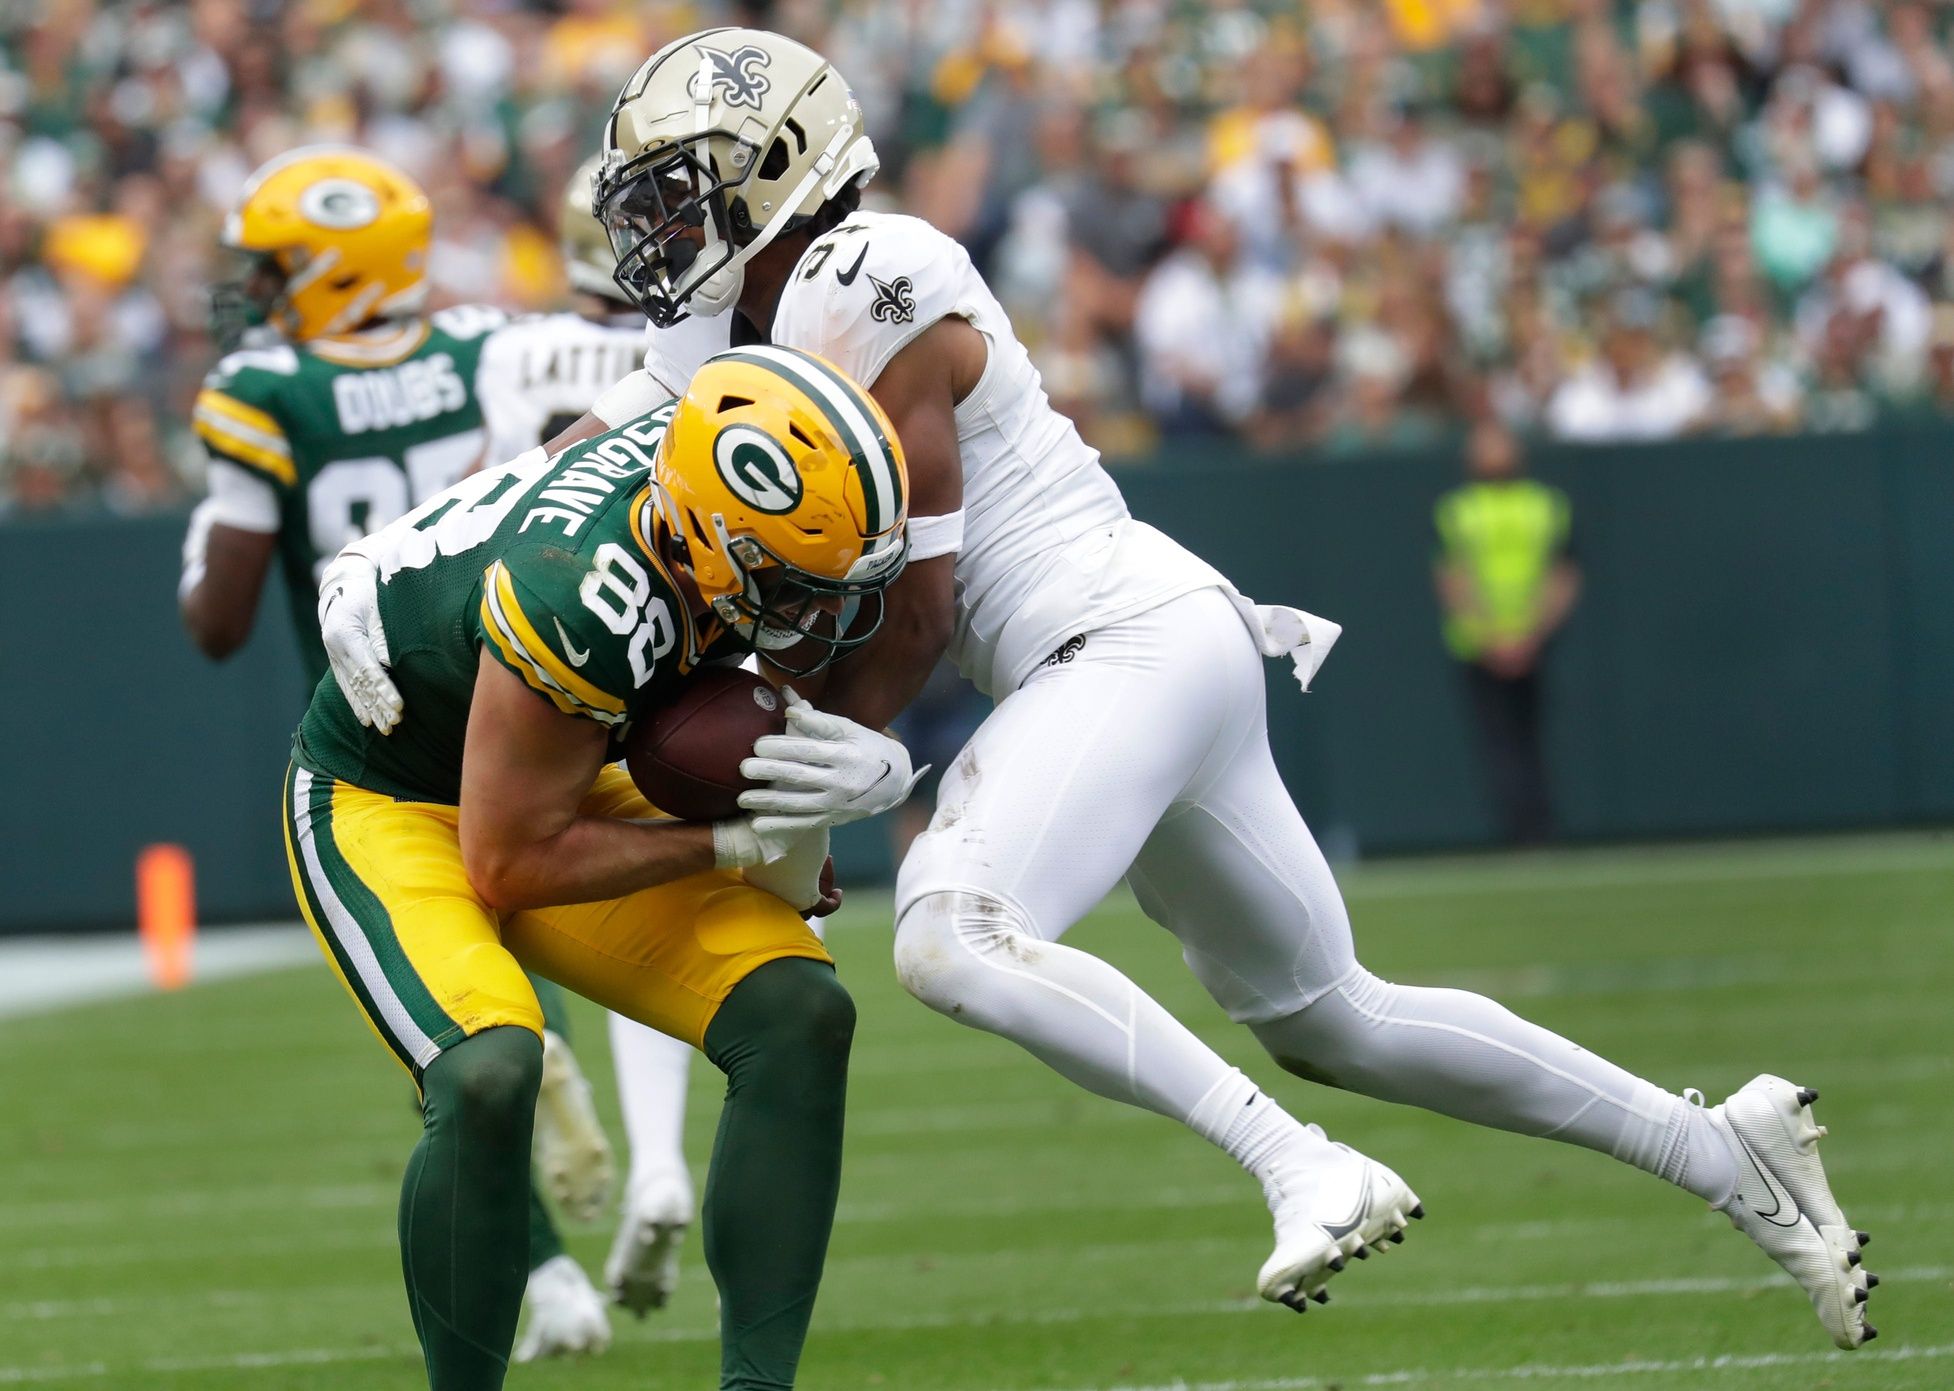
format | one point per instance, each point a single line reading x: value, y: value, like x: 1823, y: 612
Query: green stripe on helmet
x: 800, y: 370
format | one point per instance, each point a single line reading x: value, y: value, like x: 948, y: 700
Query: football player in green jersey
x: 534, y: 612
x: 349, y: 407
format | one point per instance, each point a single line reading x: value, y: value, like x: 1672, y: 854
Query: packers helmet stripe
x: 842, y: 403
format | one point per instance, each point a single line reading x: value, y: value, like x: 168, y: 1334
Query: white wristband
x: 735, y: 844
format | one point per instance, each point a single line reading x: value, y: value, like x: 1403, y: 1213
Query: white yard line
x: 1358, y: 1298
x: 40, y: 974
x: 1548, y: 1371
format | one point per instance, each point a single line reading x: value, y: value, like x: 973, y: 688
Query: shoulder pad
x: 236, y: 414
x: 865, y: 289
x: 585, y: 632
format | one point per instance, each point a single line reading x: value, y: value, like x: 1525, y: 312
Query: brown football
x: 686, y: 757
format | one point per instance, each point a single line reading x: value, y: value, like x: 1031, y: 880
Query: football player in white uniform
x: 1129, y: 734
x: 540, y: 375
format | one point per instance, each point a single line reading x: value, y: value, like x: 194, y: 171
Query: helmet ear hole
x: 775, y: 164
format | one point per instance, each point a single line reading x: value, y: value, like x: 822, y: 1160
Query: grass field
x: 197, y: 1191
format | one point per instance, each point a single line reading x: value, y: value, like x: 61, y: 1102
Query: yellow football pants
x: 382, y: 885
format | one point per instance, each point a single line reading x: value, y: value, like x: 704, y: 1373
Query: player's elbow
x: 498, y: 876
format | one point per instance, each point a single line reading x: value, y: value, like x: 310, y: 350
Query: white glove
x: 356, y: 644
x: 794, y: 878
x: 826, y: 766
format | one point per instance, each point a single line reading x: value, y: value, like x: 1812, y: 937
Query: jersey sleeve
x: 862, y: 292
x: 537, y: 622
x: 240, y: 498
x: 236, y: 415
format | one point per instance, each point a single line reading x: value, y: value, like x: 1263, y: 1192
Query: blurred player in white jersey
x: 540, y: 375
x: 1129, y: 736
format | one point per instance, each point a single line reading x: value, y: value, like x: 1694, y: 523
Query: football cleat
x: 642, y: 1269
x: 571, y: 1152
x: 563, y: 1313
x: 1783, y: 1202
x: 1327, y: 1213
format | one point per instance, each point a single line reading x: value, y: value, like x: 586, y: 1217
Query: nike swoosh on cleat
x: 577, y: 658
x: 1780, y: 1200
x: 847, y: 277
x: 1337, y: 1231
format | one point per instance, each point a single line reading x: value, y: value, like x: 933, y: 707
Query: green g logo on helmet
x: 757, y: 470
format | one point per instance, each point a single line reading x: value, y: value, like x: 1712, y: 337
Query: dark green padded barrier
x: 1766, y: 642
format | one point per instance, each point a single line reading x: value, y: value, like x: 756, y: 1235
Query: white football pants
x: 1144, y: 753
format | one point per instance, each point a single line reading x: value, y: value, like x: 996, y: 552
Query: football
x: 686, y: 757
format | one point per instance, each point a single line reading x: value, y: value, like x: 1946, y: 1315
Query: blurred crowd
x: 1322, y: 227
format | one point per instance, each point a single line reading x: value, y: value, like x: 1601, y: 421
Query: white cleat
x: 1784, y: 1204
x: 642, y: 1269
x: 571, y: 1153
x: 564, y: 1314
x: 1327, y: 1212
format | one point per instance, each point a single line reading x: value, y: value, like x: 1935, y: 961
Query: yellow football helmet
x: 783, y: 488
x: 337, y: 238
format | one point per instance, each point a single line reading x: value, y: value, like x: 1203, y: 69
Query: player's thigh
x: 382, y: 885
x: 1058, y: 789
x: 1234, y: 873
x: 666, y: 956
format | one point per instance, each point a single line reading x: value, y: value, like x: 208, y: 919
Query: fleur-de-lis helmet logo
x: 739, y: 74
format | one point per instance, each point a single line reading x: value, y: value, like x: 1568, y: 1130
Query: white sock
x: 1243, y: 1121
x: 1696, y: 1155
x: 652, y: 1071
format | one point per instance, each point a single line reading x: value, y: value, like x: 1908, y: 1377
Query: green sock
x: 544, y: 1240
x: 464, y: 1236
x: 556, y: 1006
x: 782, y: 1040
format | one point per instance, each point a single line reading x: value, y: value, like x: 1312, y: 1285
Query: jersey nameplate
x: 385, y: 398
x: 590, y: 482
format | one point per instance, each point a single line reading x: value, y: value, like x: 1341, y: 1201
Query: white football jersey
x: 541, y: 373
x: 1049, y: 549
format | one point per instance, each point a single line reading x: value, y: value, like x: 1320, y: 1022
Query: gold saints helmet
x: 588, y: 260
x: 336, y: 237
x: 721, y: 142
x: 782, y: 487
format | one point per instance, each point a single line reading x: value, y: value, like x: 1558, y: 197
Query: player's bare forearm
x: 526, y: 769
x: 219, y: 608
x: 586, y: 427
x: 872, y: 686
x: 920, y: 389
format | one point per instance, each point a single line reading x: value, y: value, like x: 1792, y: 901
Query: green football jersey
x: 547, y: 565
x: 350, y: 433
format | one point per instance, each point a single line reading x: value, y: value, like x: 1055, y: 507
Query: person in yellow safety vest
x: 1506, y: 581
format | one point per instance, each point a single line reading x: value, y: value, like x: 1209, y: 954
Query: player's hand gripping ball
x: 686, y: 757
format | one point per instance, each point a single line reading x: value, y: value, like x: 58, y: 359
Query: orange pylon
x: 166, y: 912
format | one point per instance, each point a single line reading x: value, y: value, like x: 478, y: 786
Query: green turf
x: 197, y: 1191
